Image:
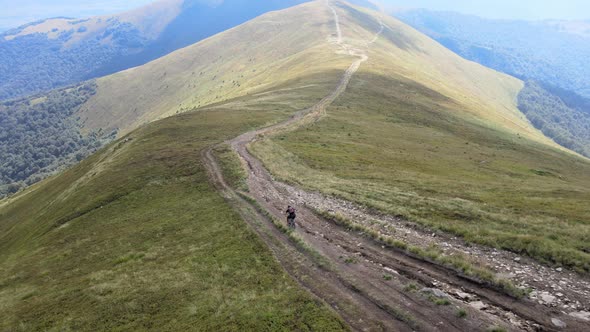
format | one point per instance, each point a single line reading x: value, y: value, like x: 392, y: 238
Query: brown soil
x: 372, y: 287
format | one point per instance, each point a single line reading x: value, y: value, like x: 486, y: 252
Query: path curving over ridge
x: 353, y: 283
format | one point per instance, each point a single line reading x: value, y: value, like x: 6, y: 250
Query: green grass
x: 461, y: 313
x: 136, y: 238
x: 350, y: 260
x: 411, y: 287
x: 461, y: 263
x: 320, y: 260
x: 259, y: 55
x: 495, y: 329
x: 418, y: 159
x: 233, y: 170
x: 404, y: 316
x: 438, y: 301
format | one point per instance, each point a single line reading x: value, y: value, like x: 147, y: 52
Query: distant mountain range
x: 552, y: 52
x: 368, y: 113
x: 68, y: 52
x: 57, y: 52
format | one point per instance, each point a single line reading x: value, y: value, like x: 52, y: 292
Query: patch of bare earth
x: 374, y: 287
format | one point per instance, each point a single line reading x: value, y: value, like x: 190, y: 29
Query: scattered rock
x: 390, y: 270
x: 435, y: 292
x: 513, y: 318
x: 547, y: 298
x: 463, y: 296
x: 554, y: 286
x: 583, y: 315
x: 478, y: 305
x: 558, y: 323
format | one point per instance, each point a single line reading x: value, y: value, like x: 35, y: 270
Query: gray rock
x: 479, y: 305
x: 463, y: 296
x: 547, y: 298
x: 558, y: 323
x: 434, y: 292
x: 583, y: 315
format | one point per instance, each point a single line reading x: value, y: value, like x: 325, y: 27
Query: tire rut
x: 355, y: 284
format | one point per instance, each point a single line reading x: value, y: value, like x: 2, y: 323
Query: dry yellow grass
x: 427, y: 135
x: 476, y: 92
x: 289, y: 45
x: 279, y: 47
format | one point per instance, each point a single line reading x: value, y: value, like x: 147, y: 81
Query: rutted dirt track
x: 364, y: 282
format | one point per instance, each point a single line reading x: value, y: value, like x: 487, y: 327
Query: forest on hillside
x: 34, y: 63
x: 559, y: 114
x: 41, y: 135
x: 537, y: 51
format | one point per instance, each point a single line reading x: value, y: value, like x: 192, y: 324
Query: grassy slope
x: 436, y: 139
x: 135, y: 238
x: 256, y: 56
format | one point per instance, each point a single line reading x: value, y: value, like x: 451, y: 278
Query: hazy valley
x: 148, y: 190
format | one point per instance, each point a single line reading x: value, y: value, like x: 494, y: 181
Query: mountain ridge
x: 418, y: 137
x: 209, y: 73
x: 55, y: 53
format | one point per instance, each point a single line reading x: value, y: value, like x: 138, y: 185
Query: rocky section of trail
x: 371, y: 286
x: 552, y: 287
x: 361, y: 259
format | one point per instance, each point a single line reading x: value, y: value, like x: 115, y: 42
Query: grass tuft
x: 461, y: 313
x: 145, y: 240
x: 411, y: 287
x: 232, y: 169
x: 432, y: 253
x: 407, y: 156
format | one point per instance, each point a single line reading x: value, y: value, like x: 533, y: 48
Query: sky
x: 506, y: 9
x: 17, y: 12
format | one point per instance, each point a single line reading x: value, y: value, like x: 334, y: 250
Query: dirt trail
x: 371, y: 287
